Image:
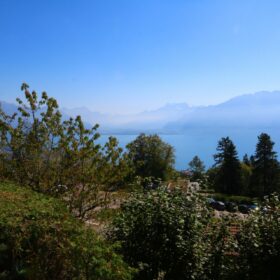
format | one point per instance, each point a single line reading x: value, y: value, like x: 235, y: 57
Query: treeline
x: 255, y: 176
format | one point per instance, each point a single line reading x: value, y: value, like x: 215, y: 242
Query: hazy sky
x: 128, y: 56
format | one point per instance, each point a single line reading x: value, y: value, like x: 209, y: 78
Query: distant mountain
x: 88, y: 115
x: 153, y: 120
x: 156, y: 119
x: 261, y: 110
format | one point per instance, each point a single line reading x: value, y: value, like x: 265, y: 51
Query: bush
x: 39, y: 239
x: 259, y: 243
x: 168, y: 235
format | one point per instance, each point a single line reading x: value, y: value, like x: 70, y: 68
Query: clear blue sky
x: 127, y: 56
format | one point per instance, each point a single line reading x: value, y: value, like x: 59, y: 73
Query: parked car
x: 210, y: 200
x: 244, y: 209
x: 218, y: 205
x: 231, y: 206
x: 254, y: 207
x: 266, y: 209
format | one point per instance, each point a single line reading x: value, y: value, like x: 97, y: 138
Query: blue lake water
x: 204, y: 142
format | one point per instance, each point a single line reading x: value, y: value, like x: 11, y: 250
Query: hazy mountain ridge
x: 261, y: 109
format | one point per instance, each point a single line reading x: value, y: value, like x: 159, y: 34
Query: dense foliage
x: 151, y: 157
x: 258, y: 243
x: 169, y: 235
x: 39, y: 239
x: 254, y: 176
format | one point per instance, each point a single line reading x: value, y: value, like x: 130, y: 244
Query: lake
x: 203, y: 142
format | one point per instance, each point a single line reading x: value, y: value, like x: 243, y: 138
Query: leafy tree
x: 228, y: 179
x: 29, y: 141
x: 197, y: 168
x: 151, y: 157
x: 78, y: 169
x: 114, y: 171
x: 265, y: 176
x: 58, y: 157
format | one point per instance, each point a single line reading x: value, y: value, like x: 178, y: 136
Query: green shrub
x: 258, y: 243
x: 168, y: 235
x: 39, y: 239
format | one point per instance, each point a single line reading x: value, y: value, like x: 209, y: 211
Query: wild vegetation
x: 58, y: 157
x: 168, y: 235
x: 40, y: 239
x: 57, y: 181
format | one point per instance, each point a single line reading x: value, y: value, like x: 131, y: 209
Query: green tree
x: 246, y: 173
x: 151, y: 157
x: 197, y: 168
x: 30, y: 140
x: 58, y: 157
x: 78, y: 169
x: 265, y: 176
x: 246, y: 160
x: 211, y: 174
x: 228, y: 178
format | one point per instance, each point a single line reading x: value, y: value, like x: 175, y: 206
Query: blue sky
x: 128, y: 56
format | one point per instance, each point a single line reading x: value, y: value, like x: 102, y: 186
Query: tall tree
x: 265, y: 176
x: 246, y: 160
x: 61, y: 158
x: 197, y: 167
x: 151, y: 157
x: 228, y: 178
